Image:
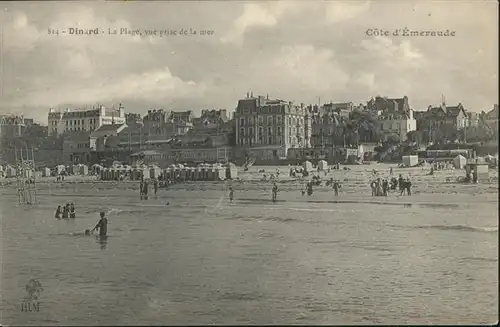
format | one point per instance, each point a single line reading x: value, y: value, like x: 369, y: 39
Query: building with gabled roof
x: 385, y: 105
x: 456, y: 116
x: 99, y: 136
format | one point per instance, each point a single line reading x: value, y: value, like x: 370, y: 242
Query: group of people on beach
x: 381, y: 186
x: 67, y: 211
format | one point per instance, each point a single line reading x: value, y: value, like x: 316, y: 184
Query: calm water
x: 201, y: 260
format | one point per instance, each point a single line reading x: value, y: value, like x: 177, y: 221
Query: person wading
x: 102, y: 225
x: 72, y: 213
x: 66, y: 211
x: 58, y: 212
x: 275, y: 192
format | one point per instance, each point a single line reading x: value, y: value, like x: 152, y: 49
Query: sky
x: 301, y: 51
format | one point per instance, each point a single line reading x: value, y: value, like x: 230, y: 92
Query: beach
x: 189, y: 256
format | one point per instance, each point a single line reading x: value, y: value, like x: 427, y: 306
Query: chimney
x: 248, y: 95
x: 121, y: 113
x: 251, y: 95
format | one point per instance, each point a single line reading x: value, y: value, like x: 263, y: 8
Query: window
x: 270, y: 140
x: 242, y: 121
x: 261, y: 120
x: 269, y: 120
x: 278, y: 131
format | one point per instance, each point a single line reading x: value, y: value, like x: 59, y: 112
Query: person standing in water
x: 65, y: 213
x: 72, y: 213
x: 231, y: 194
x: 102, y: 225
x: 58, y: 212
x: 275, y: 192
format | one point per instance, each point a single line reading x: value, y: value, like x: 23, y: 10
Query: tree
x: 364, y: 125
x: 416, y: 137
x: 393, y: 139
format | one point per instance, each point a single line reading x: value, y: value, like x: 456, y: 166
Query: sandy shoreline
x: 438, y: 189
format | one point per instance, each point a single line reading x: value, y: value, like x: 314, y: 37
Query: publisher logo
x: 31, y: 302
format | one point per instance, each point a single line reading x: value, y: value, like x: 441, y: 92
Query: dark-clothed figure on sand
x: 231, y: 194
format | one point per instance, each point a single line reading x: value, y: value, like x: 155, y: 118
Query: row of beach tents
x: 179, y: 171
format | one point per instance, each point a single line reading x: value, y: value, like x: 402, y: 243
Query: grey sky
x: 293, y: 50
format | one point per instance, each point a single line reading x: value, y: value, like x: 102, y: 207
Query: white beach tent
x: 459, y: 162
x: 307, y: 166
x: 322, y: 165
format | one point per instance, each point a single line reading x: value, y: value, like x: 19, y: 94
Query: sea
x: 190, y: 256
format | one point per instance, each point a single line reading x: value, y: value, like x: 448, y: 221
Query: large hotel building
x: 84, y: 119
x: 273, y: 125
